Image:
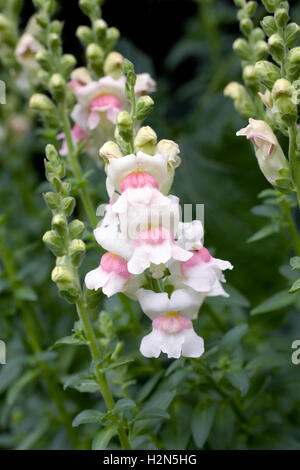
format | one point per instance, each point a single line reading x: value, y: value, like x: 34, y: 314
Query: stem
x: 291, y: 226
x: 76, y: 169
x: 294, y: 161
x: 27, y: 317
x: 100, y: 376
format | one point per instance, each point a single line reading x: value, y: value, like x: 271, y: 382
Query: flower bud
x: 59, y: 223
x: 246, y: 26
x: 293, y: 63
x: 66, y: 283
x: 257, y: 34
x: 124, y: 123
x: 251, y: 7
x: 61, y: 274
x: 43, y: 57
x: 241, y: 47
x: 54, y: 242
x: 76, y: 227
x: 112, y: 35
x: 143, y: 107
x: 86, y: 6
x: 268, y: 152
x: 52, y: 200
x: 85, y: 35
x: 26, y: 49
x: 269, y: 25
x: 54, y: 42
x: 276, y: 47
x: 241, y: 98
x: 110, y: 150
x: 95, y: 55
x: 113, y: 65
x: 282, y: 87
x: 266, y: 99
x: 145, y: 140
x: 5, y: 24
x: 170, y: 148
x: 57, y: 86
x: 261, y: 50
x: 100, y: 27
x: 250, y: 77
x: 287, y: 108
x: 81, y: 75
x: 267, y: 72
x: 281, y: 17
x: 270, y: 5
x: 42, y: 104
x: 68, y: 205
x: 77, y: 251
x: 291, y: 34
x: 68, y: 62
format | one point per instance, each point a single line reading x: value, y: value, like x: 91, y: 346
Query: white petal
x: 150, y: 345
x: 139, y: 261
x: 193, y: 345
x: 217, y: 289
x: 180, y: 254
x: 222, y: 264
x: 160, y: 253
x: 112, y: 240
x: 201, y: 277
x: 114, y: 284
x: 80, y: 116
x: 152, y: 303
x: 119, y: 168
x: 186, y: 301
x: 96, y: 278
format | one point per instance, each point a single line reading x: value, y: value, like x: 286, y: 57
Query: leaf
x: 147, y: 388
x: 20, y: 384
x: 82, y: 383
x: 119, y: 363
x: 240, y: 380
x: 153, y: 413
x: 233, y: 337
x: 265, y: 211
x: 103, y: 437
x: 275, y: 302
x: 202, y: 421
x: 87, y: 417
x: 295, y: 262
x: 69, y: 340
x: 295, y: 287
x: 123, y: 404
x: 26, y: 293
x: 264, y: 232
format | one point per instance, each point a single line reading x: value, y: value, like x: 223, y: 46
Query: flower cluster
x: 149, y: 250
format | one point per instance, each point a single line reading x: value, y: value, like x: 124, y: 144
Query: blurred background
x: 187, y: 47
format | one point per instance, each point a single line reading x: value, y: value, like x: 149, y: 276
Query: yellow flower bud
x: 113, y: 65
x: 145, y: 140
x: 170, y: 148
x: 110, y: 150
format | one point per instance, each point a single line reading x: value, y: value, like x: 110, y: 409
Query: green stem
x: 100, y: 376
x: 76, y: 169
x: 294, y: 161
x: 291, y: 226
x: 28, y: 321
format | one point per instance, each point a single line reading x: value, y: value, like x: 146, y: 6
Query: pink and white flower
x: 155, y: 245
x: 112, y: 276
x: 78, y: 135
x: 26, y: 49
x: 201, y: 272
x: 172, y: 332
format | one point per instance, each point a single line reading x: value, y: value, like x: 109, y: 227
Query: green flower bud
x: 76, y: 228
x: 276, y: 47
x: 257, y: 35
x: 86, y: 6
x: 85, y: 35
x: 44, y: 58
x: 291, y: 34
x: 281, y: 17
x: 77, y: 251
x: 52, y: 200
x: 293, y: 63
x: 113, y: 65
x: 100, y: 27
x: 68, y: 205
x: 51, y: 154
x: 282, y: 87
x: 269, y: 25
x: 5, y: 24
x: 145, y: 140
x: 54, y: 242
x: 110, y: 150
x: 270, y: 5
x: 81, y: 74
x: 59, y: 223
x: 112, y: 35
x: 287, y: 109
x: 267, y: 99
x: 144, y: 106
x: 267, y: 72
x: 65, y: 282
x: 246, y: 26
x: 54, y: 43
x: 261, y: 50
x: 41, y: 103
x: 68, y: 62
x: 250, y: 77
x: 57, y: 86
x: 251, y: 7
x: 241, y: 99
x: 241, y: 47
x: 170, y: 148
x: 124, y: 123
x: 95, y: 55
x: 56, y: 27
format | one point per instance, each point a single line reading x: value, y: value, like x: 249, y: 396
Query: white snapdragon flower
x: 172, y: 332
x: 201, y: 272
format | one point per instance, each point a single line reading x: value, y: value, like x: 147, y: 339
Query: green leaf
x: 202, y: 421
x: 153, y: 413
x: 69, y: 340
x: 20, y: 384
x: 87, y: 417
x: 147, y: 388
x: 233, y: 337
x: 239, y: 379
x: 295, y: 287
x: 264, y: 232
x: 265, y: 211
x: 295, y: 262
x: 119, y: 363
x: 81, y: 383
x: 103, y: 437
x: 26, y: 293
x: 123, y: 404
x: 275, y: 302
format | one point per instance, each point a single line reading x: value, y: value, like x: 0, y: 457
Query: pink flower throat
x: 172, y: 323
x: 112, y: 263
x: 104, y: 101
x: 138, y: 180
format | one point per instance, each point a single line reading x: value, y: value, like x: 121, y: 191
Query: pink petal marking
x: 138, y: 180
x: 112, y: 263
